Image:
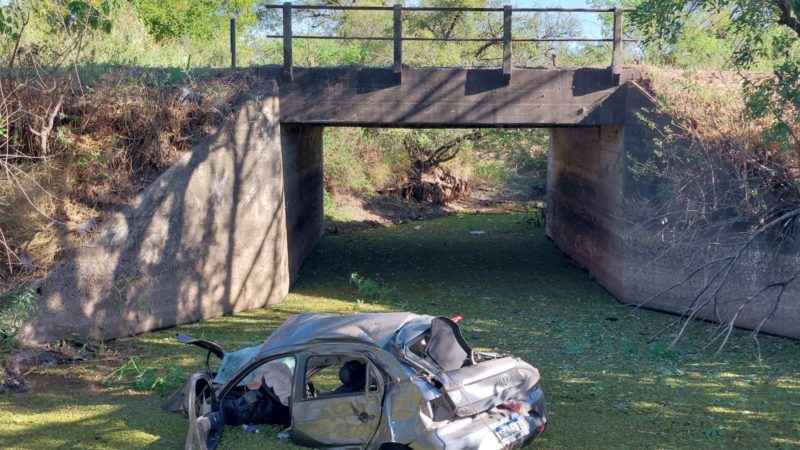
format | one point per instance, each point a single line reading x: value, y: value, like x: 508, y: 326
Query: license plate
x: 510, y: 431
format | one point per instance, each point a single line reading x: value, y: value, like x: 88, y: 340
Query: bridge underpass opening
x: 456, y: 251
x: 583, y: 173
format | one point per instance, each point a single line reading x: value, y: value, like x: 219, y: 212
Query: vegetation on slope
x: 109, y: 140
x: 727, y: 199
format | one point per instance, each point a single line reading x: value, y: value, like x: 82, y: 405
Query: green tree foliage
x: 64, y: 23
x: 757, y: 31
x: 199, y: 19
x: 702, y: 44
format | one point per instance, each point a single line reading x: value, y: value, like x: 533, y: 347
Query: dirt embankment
x: 718, y: 164
x: 111, y: 136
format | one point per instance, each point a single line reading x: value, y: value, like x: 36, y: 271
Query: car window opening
x: 263, y: 396
x: 333, y: 376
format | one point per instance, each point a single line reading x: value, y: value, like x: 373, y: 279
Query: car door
x: 205, y: 421
x: 327, y: 412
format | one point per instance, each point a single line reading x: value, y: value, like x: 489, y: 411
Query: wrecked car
x: 374, y: 381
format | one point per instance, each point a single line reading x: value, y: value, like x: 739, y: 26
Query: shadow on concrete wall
x: 205, y: 238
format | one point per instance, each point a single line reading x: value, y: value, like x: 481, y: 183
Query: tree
x: 758, y: 31
x: 427, y: 180
x: 34, y: 85
x: 197, y: 19
x: 421, y: 24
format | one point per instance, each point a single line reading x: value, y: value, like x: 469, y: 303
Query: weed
x: 493, y: 172
x: 63, y: 137
x: 141, y: 377
x: 13, y: 314
x: 660, y: 350
x: 533, y: 216
x: 370, y: 289
x: 572, y: 348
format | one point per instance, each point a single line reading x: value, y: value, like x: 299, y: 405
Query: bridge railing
x: 617, y: 39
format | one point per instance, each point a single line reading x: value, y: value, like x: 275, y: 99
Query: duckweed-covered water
x: 607, y: 385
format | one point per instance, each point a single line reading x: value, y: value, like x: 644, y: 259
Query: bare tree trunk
x: 47, y: 126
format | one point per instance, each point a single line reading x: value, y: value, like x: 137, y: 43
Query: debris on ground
x: 20, y: 364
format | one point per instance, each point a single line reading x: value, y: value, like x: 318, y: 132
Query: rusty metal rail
x: 506, y: 39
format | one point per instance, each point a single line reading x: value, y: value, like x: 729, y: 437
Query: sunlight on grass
x: 58, y: 423
x: 606, y: 384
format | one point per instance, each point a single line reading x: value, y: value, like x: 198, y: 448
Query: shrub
x: 370, y: 289
x: 13, y: 314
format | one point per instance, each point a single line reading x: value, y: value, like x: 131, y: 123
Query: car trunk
x: 476, y: 388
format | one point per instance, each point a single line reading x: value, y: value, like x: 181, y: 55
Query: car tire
x: 394, y: 446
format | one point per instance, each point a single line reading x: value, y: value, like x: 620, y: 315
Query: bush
x: 370, y: 289
x: 13, y: 314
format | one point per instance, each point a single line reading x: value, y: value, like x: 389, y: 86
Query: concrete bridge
x: 229, y: 226
x: 451, y: 98
x: 585, y: 110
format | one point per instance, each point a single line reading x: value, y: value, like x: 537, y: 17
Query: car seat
x: 447, y: 347
x: 353, y: 375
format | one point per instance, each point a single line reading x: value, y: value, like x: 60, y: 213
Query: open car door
x: 179, y: 400
x: 205, y: 421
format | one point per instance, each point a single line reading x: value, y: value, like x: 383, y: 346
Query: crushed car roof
x: 377, y: 329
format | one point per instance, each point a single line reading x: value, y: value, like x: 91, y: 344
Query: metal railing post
x: 507, y: 41
x: 233, y: 43
x: 616, y: 56
x: 398, y: 38
x: 287, y: 42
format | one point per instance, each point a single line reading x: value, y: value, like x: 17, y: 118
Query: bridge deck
x: 445, y: 97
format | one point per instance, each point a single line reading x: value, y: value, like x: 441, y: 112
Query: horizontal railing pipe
x: 507, y: 39
x: 425, y: 39
x: 444, y: 9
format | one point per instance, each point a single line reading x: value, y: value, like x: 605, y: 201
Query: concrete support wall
x: 584, y: 198
x: 594, y: 211
x: 302, y: 176
x: 210, y: 236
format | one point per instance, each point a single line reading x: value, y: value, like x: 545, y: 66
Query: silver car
x: 366, y: 381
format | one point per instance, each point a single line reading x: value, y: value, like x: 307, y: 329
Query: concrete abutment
x: 225, y: 229
x: 596, y: 212
x: 301, y: 147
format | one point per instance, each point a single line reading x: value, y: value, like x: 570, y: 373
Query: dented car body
x: 373, y: 381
